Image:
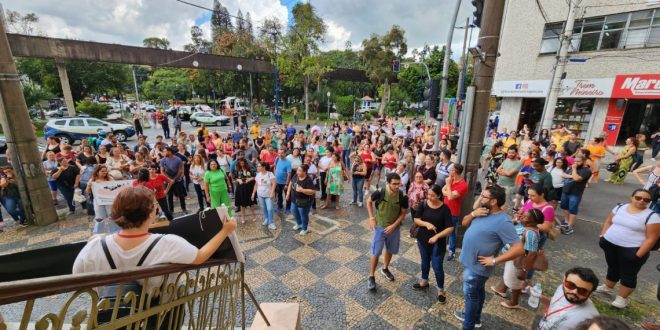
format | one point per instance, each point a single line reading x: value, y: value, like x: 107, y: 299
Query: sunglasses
x: 572, y: 286
x: 640, y: 198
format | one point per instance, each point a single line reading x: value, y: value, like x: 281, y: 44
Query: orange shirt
x: 597, y: 152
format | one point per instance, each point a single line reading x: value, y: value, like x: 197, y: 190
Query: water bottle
x: 535, y: 296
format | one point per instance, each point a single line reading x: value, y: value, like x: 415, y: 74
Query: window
x: 76, y: 122
x: 94, y: 122
x: 619, y: 31
x: 60, y: 122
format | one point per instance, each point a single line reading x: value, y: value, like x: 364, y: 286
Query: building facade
x: 612, y: 83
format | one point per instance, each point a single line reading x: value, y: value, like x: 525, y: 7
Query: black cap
x: 540, y: 161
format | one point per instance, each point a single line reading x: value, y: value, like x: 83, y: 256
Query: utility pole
x: 463, y: 60
x: 277, y: 78
x: 21, y: 140
x: 137, y: 94
x: 445, y: 74
x: 489, y: 36
x: 560, y: 66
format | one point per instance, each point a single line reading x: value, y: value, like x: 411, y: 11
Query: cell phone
x: 525, y: 174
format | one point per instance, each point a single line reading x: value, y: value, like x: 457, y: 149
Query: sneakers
x: 604, y: 289
x: 386, y: 272
x: 371, y: 283
x: 352, y: 203
x: 359, y: 204
x: 296, y: 227
x: 272, y: 226
x: 568, y: 231
x: 450, y: 256
x: 620, y: 302
x: 265, y: 223
x: 461, y: 317
x: 303, y: 232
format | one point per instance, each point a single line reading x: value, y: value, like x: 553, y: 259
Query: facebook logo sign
x: 521, y: 86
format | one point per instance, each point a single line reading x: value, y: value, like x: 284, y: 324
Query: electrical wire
x: 538, y: 4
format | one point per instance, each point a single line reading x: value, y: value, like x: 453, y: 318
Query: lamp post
x: 328, y: 95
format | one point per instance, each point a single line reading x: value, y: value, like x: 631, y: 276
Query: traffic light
x: 479, y: 7
x: 431, y: 102
x: 396, y: 66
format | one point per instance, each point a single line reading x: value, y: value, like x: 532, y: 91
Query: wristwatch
x: 494, y: 263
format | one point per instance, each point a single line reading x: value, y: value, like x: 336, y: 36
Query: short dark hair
x: 392, y: 176
x: 497, y: 193
x: 537, y: 215
x: 603, y: 323
x: 538, y: 188
x: 446, y: 153
x: 437, y: 190
x: 458, y: 168
x: 585, y: 274
x: 513, y: 147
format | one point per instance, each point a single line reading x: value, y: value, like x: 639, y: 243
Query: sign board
x: 106, y: 191
x: 571, y: 88
x: 637, y: 86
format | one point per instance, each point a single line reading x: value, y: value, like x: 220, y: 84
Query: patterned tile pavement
x: 325, y: 271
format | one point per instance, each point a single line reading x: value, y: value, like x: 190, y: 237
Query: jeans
x: 279, y: 190
x: 166, y: 131
x: 475, y: 294
x: 452, y: 236
x: 301, y: 214
x: 347, y: 159
x: 179, y: 190
x: 67, y: 192
x: 200, y: 195
x: 164, y: 208
x: 266, y: 204
x: 358, y: 189
x: 432, y: 255
x: 14, y: 208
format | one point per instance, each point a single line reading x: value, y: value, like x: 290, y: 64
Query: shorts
x: 554, y: 194
x: 510, y: 276
x: 369, y: 171
x: 570, y: 202
x: 380, y: 239
x: 52, y: 185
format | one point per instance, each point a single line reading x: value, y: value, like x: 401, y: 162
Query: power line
x: 538, y: 4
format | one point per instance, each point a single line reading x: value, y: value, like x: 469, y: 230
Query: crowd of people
x: 531, y: 190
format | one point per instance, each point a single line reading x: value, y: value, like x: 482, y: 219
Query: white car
x: 70, y: 129
x: 208, y: 118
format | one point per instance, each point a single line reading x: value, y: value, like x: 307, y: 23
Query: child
x: 514, y: 277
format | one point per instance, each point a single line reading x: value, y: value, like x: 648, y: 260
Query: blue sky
x: 289, y: 4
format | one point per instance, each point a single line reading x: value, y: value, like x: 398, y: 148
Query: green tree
x: 297, y: 63
x: 435, y: 62
x: 23, y: 24
x: 198, y: 44
x: 165, y: 84
x: 154, y: 42
x: 96, y: 110
x: 378, y: 52
x: 33, y: 93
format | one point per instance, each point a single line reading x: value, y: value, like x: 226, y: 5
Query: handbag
x: 554, y: 233
x: 612, y: 167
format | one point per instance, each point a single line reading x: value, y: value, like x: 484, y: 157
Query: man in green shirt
x: 345, y: 140
x: 507, y: 174
x: 391, y: 206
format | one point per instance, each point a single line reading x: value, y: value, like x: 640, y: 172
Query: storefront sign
x: 639, y: 86
x: 587, y: 88
x: 612, y: 123
x: 571, y: 88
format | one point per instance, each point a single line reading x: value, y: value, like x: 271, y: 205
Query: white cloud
x: 128, y: 22
x: 336, y: 36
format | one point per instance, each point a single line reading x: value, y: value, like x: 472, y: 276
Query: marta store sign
x: 571, y: 88
x: 638, y: 86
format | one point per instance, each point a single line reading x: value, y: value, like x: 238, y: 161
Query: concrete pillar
x: 510, y: 113
x: 597, y: 120
x: 66, y: 89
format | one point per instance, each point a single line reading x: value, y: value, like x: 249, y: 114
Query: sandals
x: 503, y: 295
x: 418, y: 286
x: 505, y: 305
x: 441, y: 298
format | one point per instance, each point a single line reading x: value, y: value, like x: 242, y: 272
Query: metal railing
x: 202, y: 296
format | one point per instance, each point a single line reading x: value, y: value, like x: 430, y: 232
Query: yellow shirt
x: 254, y: 130
x: 509, y: 141
x: 560, y: 140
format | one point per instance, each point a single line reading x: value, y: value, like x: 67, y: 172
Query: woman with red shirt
x: 155, y: 181
x: 389, y: 160
x: 369, y: 160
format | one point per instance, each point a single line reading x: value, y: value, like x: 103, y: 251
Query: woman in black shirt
x: 68, y: 178
x: 434, y: 220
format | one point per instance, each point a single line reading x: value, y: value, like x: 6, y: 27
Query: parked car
x: 3, y: 151
x: 59, y: 112
x: 71, y: 129
x: 184, y: 111
x: 203, y: 108
x: 208, y: 119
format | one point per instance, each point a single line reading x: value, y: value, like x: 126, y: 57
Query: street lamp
x: 328, y: 95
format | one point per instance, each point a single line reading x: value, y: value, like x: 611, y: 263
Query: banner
x: 106, y: 191
x: 637, y: 86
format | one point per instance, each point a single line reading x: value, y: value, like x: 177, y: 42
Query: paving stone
x: 266, y: 255
x: 372, y: 321
x: 322, y: 266
x: 281, y: 266
x: 342, y: 255
x: 419, y: 298
x: 399, y: 313
x: 257, y: 276
x: 360, y: 264
x: 324, y: 246
x: 304, y: 254
x: 406, y: 266
x: 299, y: 279
x: 355, y: 230
x: 343, y: 279
x: 368, y: 299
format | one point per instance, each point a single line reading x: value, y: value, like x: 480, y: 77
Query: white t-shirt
x: 557, y: 179
x: 197, y: 170
x: 312, y: 169
x: 629, y: 230
x: 170, y: 249
x: 324, y: 162
x: 295, y: 161
x: 264, y: 183
x: 568, y: 318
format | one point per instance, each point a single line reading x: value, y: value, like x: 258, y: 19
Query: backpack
x: 110, y: 291
x: 382, y: 196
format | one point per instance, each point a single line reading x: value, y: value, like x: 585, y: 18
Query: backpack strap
x: 107, y: 252
x: 108, y: 256
x: 151, y: 247
x: 648, y: 217
x: 618, y: 206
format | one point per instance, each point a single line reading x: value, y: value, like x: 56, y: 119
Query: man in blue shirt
x: 236, y: 135
x: 282, y: 177
x: 290, y: 132
x: 490, y: 228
